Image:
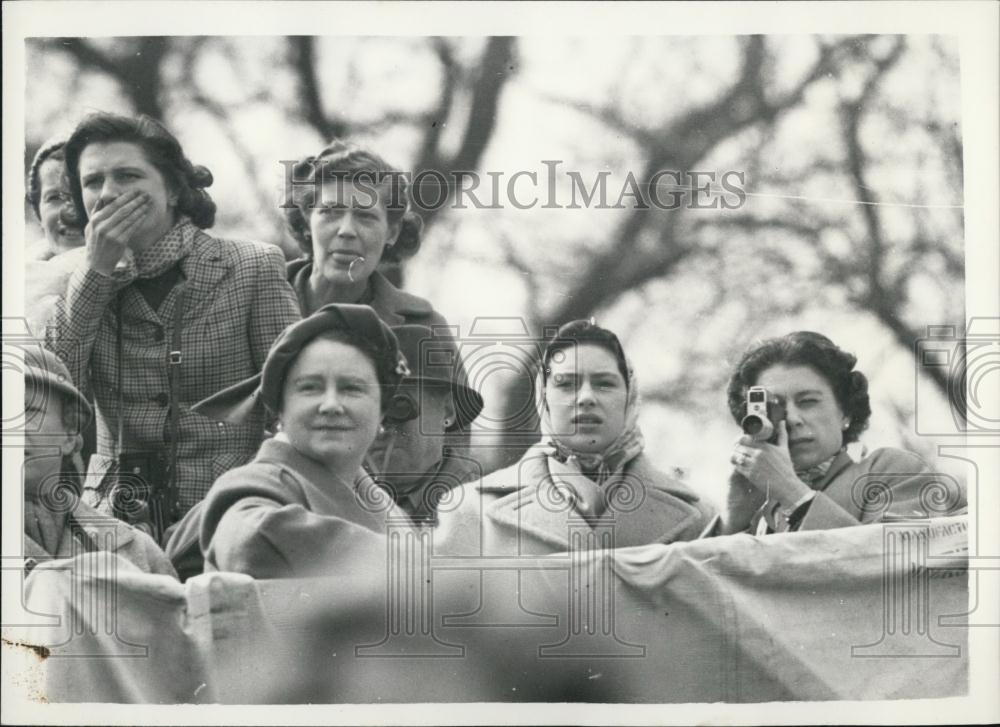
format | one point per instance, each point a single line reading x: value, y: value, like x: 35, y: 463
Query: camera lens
x: 752, y: 425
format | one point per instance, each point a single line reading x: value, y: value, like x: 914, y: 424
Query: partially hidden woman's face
x: 349, y: 228
x: 111, y: 169
x: 814, y: 419
x: 331, y: 403
x: 48, y: 438
x: 54, y: 198
x: 586, y: 396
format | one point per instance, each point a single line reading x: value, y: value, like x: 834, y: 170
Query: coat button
x: 161, y: 399
x: 158, y: 334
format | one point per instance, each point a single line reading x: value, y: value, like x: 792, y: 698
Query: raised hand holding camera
x: 768, y: 467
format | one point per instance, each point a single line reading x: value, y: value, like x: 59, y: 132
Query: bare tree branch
x: 138, y: 72
x: 248, y: 160
x: 882, y: 296
x: 486, y: 81
x: 302, y: 56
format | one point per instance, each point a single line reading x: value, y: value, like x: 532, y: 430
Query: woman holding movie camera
x: 801, y: 402
x: 158, y: 316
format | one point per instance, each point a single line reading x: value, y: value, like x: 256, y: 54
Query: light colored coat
x: 108, y: 534
x: 237, y: 301
x: 520, y: 511
x: 284, y: 516
x: 887, y: 484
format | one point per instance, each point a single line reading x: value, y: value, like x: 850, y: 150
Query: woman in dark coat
x: 415, y: 457
x: 160, y: 315
x: 589, y: 466
x: 805, y: 479
x: 349, y: 210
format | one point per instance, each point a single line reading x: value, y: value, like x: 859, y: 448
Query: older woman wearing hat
x: 57, y: 523
x: 588, y: 468
x: 419, y: 454
x: 304, y: 504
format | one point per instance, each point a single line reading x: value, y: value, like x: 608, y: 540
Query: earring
x: 447, y: 422
x: 845, y: 425
x: 381, y: 429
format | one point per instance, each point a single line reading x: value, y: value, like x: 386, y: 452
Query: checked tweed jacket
x: 236, y: 303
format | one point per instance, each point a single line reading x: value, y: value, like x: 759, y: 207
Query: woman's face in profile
x: 814, y: 419
x: 48, y: 438
x: 331, y: 403
x: 110, y: 169
x: 350, y: 228
x: 586, y: 395
x: 53, y: 199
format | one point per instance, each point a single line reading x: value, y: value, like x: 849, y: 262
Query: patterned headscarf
x: 620, y: 452
x: 158, y: 257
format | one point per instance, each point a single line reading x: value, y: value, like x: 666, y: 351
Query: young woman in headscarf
x: 589, y: 467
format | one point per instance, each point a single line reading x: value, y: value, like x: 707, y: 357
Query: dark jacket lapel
x: 393, y: 305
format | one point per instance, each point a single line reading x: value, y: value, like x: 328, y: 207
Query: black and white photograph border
x: 695, y: 177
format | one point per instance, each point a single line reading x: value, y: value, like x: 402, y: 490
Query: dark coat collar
x: 393, y: 305
x: 438, y: 486
x: 664, y: 508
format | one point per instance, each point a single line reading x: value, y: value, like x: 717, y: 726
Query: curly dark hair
x: 806, y: 348
x: 579, y: 332
x: 344, y: 161
x: 188, y: 181
x: 53, y: 149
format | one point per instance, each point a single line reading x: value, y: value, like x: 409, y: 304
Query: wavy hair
x: 53, y: 149
x: 161, y: 149
x: 345, y: 161
x: 576, y: 333
x: 806, y: 348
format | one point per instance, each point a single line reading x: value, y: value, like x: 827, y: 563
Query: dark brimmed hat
x: 236, y: 403
x: 48, y: 373
x: 433, y: 358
